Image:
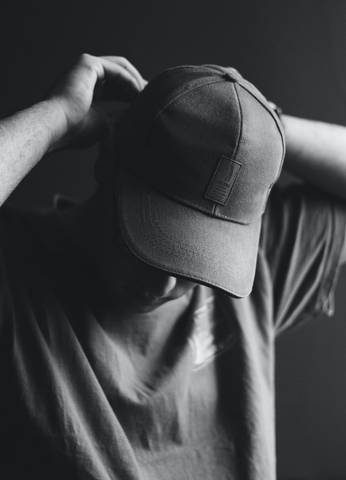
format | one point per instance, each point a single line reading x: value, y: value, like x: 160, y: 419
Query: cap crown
x: 205, y: 137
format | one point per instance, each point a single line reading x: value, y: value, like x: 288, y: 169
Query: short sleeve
x: 302, y: 237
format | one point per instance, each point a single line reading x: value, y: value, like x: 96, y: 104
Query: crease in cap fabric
x: 199, y: 150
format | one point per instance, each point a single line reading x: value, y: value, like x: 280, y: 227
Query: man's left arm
x: 316, y: 152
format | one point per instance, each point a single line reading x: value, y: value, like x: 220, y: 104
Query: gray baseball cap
x: 199, y: 152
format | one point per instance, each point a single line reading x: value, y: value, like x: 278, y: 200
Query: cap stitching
x: 215, y: 175
x: 201, y: 68
x: 187, y: 202
x: 215, y: 207
x: 185, y: 92
x: 264, y: 104
x: 241, y: 120
x: 180, y: 245
x: 164, y: 247
x: 175, y: 270
x: 200, y: 250
x: 164, y: 235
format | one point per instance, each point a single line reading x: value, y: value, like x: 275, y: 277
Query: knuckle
x: 85, y: 58
x: 90, y: 64
x: 122, y: 59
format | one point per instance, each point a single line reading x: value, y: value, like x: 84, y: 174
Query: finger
x: 119, y: 84
x: 123, y: 62
x: 112, y: 73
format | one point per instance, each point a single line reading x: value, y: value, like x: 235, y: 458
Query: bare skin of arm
x: 66, y: 118
x: 24, y: 139
x: 316, y: 152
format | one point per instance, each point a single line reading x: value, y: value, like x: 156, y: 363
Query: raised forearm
x: 316, y: 152
x: 67, y: 119
x: 24, y: 138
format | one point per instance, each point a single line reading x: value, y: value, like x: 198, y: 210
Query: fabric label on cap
x: 223, y: 180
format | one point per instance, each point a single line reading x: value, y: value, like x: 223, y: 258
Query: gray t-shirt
x: 77, y: 403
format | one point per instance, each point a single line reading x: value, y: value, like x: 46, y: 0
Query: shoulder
x: 303, y: 213
x: 301, y: 247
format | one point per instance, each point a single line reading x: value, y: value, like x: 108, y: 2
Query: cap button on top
x: 228, y: 76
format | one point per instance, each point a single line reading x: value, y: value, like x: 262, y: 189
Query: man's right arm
x: 24, y: 139
x: 66, y: 118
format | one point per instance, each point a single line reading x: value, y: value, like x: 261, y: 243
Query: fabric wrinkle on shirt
x: 79, y: 403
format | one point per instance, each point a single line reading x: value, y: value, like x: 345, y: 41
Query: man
x: 138, y: 327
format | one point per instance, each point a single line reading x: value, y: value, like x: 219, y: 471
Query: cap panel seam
x: 185, y: 92
x: 234, y: 157
x: 264, y: 104
x: 205, y: 68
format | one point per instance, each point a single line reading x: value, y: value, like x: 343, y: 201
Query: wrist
x: 55, y: 121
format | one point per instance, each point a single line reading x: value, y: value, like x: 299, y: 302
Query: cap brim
x: 186, y: 242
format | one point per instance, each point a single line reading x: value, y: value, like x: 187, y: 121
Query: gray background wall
x: 294, y: 51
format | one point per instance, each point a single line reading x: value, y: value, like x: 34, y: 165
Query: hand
x: 89, y: 77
